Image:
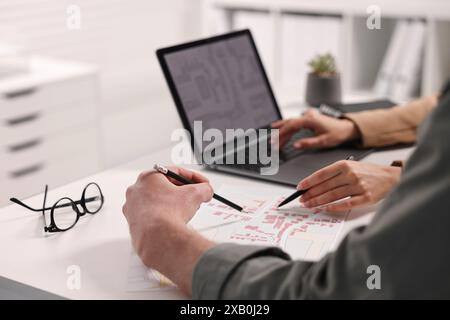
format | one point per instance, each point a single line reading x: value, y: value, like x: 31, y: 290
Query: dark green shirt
x: 408, y: 240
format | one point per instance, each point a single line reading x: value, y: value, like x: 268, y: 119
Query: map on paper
x: 306, y: 234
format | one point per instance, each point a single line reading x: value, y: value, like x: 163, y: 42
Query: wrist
x: 395, y: 173
x: 351, y: 131
x: 175, y: 251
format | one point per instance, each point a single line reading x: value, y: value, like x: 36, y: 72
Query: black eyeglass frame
x: 52, y: 227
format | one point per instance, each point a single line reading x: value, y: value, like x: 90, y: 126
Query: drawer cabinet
x: 33, y: 98
x: 48, y: 127
x: 32, y: 179
x: 41, y: 123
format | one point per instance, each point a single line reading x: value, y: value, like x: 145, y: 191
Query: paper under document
x: 306, y: 234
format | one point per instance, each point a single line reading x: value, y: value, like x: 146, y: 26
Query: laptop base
x: 294, y: 170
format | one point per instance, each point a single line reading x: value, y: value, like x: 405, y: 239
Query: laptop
x: 221, y: 83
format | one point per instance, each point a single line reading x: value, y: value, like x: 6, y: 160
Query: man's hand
x: 157, y: 209
x: 364, y: 183
x: 329, y: 131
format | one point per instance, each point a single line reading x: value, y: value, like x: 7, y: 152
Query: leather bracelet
x: 397, y: 163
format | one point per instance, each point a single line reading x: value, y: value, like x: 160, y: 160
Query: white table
x: 100, y: 244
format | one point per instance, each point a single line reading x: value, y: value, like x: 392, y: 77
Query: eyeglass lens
x: 93, y: 198
x: 64, y: 214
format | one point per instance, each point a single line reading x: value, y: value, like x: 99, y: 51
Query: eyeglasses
x: 65, y: 213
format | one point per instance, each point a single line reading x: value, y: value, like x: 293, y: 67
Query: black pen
x: 184, y: 180
x: 298, y: 193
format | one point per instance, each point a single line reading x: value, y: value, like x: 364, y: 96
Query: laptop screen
x: 222, y: 83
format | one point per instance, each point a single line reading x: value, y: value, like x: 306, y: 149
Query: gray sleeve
x: 407, y: 240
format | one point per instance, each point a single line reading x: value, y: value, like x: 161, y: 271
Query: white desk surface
x: 100, y: 244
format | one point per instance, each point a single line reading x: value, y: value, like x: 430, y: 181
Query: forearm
x: 230, y: 271
x: 179, y: 251
x: 222, y: 272
x: 391, y: 126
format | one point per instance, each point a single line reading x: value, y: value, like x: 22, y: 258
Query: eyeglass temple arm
x: 76, y: 202
x: 20, y: 203
x: 91, y: 199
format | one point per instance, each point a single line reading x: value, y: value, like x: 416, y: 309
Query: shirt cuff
x: 217, y: 264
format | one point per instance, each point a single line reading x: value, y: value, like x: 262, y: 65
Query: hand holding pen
x: 300, y: 192
x: 345, y: 185
x: 183, y: 180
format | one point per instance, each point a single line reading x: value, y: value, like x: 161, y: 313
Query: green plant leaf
x: 323, y: 65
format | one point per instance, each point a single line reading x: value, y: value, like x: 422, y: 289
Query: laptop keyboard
x: 287, y: 153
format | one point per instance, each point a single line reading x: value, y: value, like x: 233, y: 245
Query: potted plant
x: 323, y: 85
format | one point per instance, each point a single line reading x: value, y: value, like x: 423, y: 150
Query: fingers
x: 286, y: 132
x: 188, y: 174
x: 289, y: 127
x: 319, y: 141
x: 330, y: 184
x: 356, y: 185
x: 330, y: 196
x: 198, y: 193
x: 347, y: 204
x: 278, y: 124
x: 322, y: 175
x: 199, y: 180
x: 200, y: 189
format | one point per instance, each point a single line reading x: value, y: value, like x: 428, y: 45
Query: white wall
x: 120, y: 36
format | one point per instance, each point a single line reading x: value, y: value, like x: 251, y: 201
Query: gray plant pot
x: 323, y: 90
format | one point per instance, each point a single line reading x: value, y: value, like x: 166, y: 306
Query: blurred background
x: 81, y: 90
